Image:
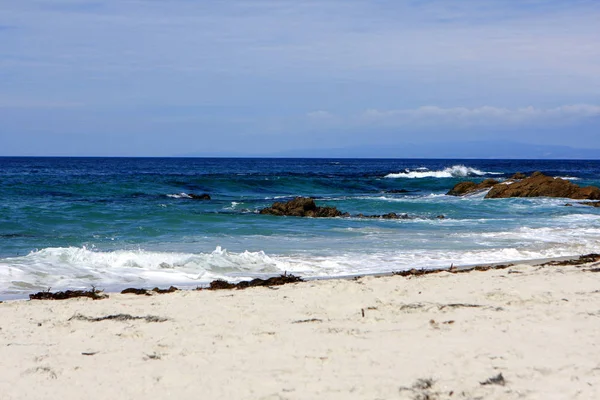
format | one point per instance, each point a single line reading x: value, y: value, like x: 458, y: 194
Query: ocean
x: 113, y: 223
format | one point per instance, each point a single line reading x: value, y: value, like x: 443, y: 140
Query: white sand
x: 538, y: 327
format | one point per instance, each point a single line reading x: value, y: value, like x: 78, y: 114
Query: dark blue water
x: 111, y: 222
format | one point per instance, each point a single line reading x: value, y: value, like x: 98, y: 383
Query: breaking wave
x: 455, y: 171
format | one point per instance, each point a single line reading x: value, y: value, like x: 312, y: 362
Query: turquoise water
x: 116, y: 222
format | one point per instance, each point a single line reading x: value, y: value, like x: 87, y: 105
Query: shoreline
x: 117, y: 289
x: 522, y: 332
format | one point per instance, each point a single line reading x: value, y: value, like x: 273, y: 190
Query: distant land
x: 472, y: 150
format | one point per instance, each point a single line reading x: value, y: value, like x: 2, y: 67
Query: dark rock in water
x: 591, y: 203
x: 518, y: 176
x: 568, y: 205
x: 302, y: 207
x: 391, y: 215
x: 393, y: 191
x: 540, y: 185
x: 463, y: 188
x: 441, y: 217
x: 306, y: 207
x: 203, y: 196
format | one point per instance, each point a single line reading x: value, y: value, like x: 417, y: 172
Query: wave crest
x: 455, y: 171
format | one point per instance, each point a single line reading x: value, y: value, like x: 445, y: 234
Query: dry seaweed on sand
x: 273, y: 281
x: 146, y: 292
x: 118, y: 317
x: 494, y: 380
x: 417, y: 272
x: 68, y: 294
x: 585, y: 259
x: 452, y: 269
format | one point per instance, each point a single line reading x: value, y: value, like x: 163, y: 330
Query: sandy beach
x: 523, y: 332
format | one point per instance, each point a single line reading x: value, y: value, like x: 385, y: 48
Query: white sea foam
x: 180, y: 196
x: 72, y: 267
x: 455, y: 171
x: 233, y: 205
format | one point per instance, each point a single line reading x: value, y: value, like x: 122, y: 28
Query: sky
x: 261, y: 77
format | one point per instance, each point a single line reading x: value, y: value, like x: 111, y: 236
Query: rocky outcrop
x: 302, y: 207
x: 306, y: 207
x: 537, y: 185
x: 540, y: 185
x: 468, y: 187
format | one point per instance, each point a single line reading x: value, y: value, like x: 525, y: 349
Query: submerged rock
x: 203, y: 196
x: 591, y: 203
x: 537, y: 185
x: 302, y: 207
x: 391, y: 215
x: 396, y: 191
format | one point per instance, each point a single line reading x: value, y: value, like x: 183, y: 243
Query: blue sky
x: 161, y: 78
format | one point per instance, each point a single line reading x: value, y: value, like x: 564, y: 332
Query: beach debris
x: 118, y: 317
x: 453, y: 269
x: 153, y: 356
x: 422, y: 389
x: 147, y: 292
x: 423, y: 384
x: 585, y: 259
x: 171, y: 289
x: 89, y: 353
x: 536, y: 185
x: 416, y: 272
x: 362, y: 311
x: 221, y: 284
x: 412, y: 307
x: 303, y: 321
x: 68, y: 294
x: 49, y: 372
x: 459, y: 305
x: 494, y: 380
x: 136, y: 291
x: 273, y: 281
